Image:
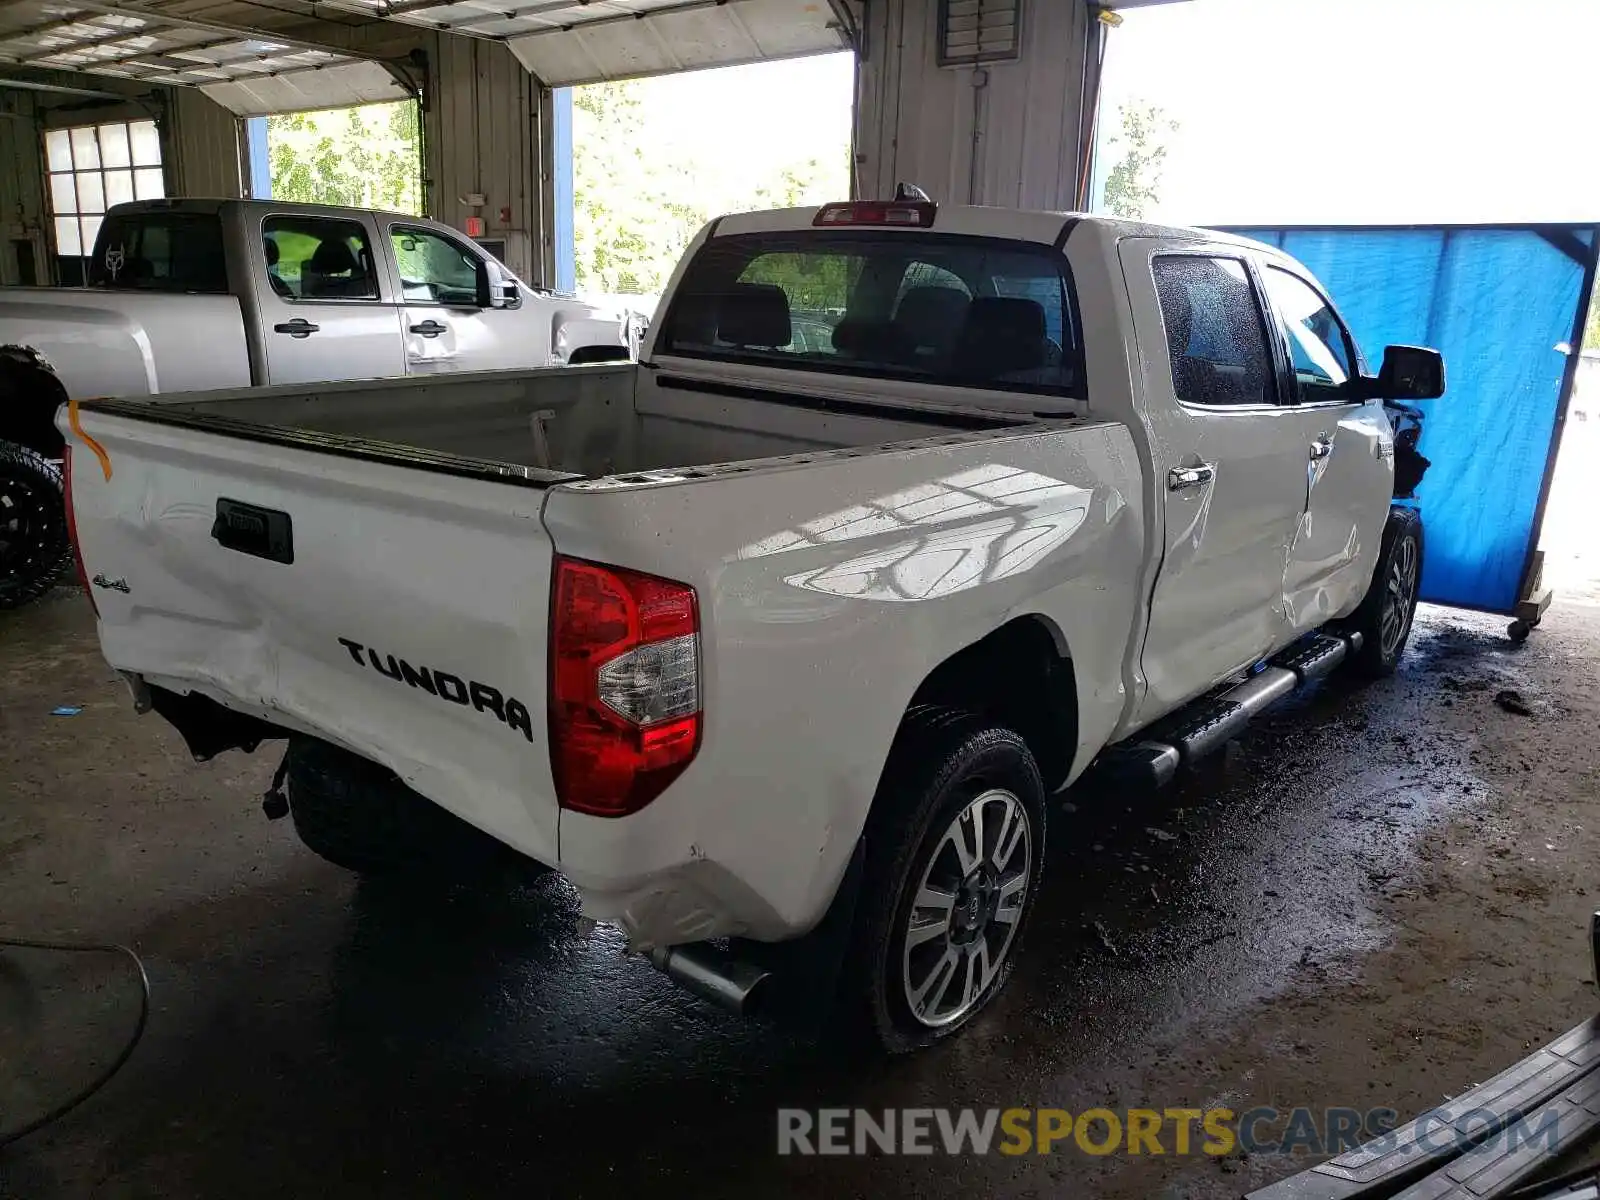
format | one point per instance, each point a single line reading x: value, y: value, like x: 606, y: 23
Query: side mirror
x: 1409, y: 373
x: 496, y: 289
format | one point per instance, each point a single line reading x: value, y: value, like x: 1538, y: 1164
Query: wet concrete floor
x: 1377, y: 900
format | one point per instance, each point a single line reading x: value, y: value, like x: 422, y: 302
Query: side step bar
x: 1508, y: 1128
x: 1208, y: 725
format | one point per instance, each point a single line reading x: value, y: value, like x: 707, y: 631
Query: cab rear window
x: 160, y: 252
x: 969, y: 312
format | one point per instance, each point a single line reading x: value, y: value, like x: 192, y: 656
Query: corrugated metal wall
x: 21, y: 188
x: 1005, y: 133
x: 204, y: 138
x: 485, y: 133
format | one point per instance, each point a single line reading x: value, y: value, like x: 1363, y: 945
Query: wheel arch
x: 30, y: 394
x: 591, y: 354
x: 1020, y: 675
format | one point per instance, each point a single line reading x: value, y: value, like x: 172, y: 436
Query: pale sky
x: 1290, y: 111
x: 1353, y: 111
x: 749, y: 122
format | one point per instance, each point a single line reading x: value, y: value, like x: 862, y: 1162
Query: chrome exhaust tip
x: 727, y: 982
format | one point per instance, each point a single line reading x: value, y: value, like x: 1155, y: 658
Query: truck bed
x: 571, y: 421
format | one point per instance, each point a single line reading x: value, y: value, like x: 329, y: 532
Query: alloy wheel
x: 1399, y: 596
x: 967, y: 908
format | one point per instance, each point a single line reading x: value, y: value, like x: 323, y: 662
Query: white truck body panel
x: 126, y: 343
x: 264, y: 637
x: 845, y: 535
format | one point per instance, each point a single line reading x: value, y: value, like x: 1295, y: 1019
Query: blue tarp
x: 1502, y: 304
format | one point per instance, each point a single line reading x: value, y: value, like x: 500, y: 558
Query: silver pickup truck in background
x: 188, y: 295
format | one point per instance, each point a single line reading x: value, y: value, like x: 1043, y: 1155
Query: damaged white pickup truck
x: 785, y: 634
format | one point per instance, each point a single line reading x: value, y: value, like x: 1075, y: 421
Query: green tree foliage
x: 368, y: 157
x: 816, y: 283
x: 1134, y: 182
x: 634, y: 209
x: 641, y: 190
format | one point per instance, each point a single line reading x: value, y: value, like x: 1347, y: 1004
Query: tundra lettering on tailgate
x: 508, y: 709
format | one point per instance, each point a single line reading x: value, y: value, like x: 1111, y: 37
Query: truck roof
x: 211, y: 205
x: 1028, y: 225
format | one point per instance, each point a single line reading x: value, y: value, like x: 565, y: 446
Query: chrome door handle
x: 1321, y: 448
x: 429, y: 328
x: 299, y: 327
x: 1187, y: 477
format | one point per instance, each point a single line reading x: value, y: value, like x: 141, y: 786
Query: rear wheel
x: 1385, y: 616
x: 33, y: 525
x: 954, y: 850
x: 360, y: 816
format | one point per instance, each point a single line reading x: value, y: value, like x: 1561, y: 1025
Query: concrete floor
x: 1379, y: 900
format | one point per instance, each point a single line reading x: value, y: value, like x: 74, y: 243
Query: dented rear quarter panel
x: 830, y: 586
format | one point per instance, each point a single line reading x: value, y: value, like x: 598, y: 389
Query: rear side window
x: 1216, y: 336
x: 971, y: 312
x: 319, y: 258
x: 160, y: 252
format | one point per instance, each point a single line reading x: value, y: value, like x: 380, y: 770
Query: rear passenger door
x: 323, y: 312
x: 1230, y: 467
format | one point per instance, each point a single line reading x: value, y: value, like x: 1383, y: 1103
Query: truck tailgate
x: 398, y: 612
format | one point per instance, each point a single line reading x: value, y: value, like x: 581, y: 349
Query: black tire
x: 360, y: 816
x: 943, y: 762
x: 33, y: 525
x: 1393, y: 584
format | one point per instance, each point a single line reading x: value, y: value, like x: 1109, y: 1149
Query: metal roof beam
x: 131, y: 56
x: 242, y: 32
x: 51, y: 26
x: 596, y: 22
x: 405, y: 8
x: 29, y: 85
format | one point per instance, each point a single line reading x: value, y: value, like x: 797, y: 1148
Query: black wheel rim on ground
x: 27, y: 526
x: 33, y: 528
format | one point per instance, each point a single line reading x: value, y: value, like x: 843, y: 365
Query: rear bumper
x: 620, y: 878
x: 692, y: 902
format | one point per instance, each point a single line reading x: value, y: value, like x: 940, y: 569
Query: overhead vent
x: 979, y: 31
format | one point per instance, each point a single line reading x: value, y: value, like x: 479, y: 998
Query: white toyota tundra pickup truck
x: 191, y: 294
x: 776, y: 646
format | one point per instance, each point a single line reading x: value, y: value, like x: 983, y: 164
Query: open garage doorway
x: 651, y: 160
x: 1392, y: 113
x: 369, y: 156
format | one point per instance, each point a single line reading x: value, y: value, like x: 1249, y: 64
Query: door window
x: 1216, y: 337
x: 1319, y: 347
x: 434, y: 269
x: 319, y: 258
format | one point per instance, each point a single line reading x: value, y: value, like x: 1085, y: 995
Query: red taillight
x: 72, y: 525
x: 624, y: 686
x: 916, y: 214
